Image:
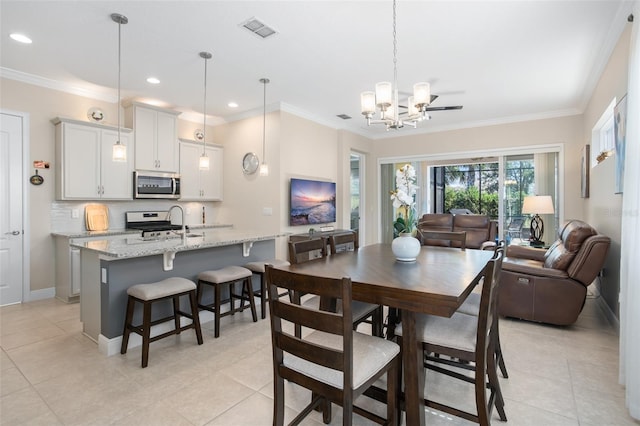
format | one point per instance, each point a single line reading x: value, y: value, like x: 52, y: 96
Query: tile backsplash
x: 63, y: 220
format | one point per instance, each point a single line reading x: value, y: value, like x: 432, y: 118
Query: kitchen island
x: 110, y: 266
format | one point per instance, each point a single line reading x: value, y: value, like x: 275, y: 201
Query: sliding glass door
x: 493, y: 185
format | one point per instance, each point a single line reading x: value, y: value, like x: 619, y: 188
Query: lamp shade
x: 538, y: 204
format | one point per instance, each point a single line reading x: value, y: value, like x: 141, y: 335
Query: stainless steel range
x: 153, y: 224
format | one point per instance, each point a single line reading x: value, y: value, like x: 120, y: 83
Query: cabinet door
x: 189, y: 172
x: 167, y: 142
x: 211, y: 180
x: 80, y: 162
x: 145, y: 128
x: 115, y: 177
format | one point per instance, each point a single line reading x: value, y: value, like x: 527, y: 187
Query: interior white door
x: 11, y: 227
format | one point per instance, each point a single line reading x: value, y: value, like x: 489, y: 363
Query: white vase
x: 406, y: 248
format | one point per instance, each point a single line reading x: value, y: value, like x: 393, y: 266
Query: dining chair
x: 306, y: 250
x: 471, y: 306
x: 362, y: 312
x: 465, y: 342
x: 336, y: 363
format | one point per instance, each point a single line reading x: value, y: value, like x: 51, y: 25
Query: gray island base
x: 110, y: 267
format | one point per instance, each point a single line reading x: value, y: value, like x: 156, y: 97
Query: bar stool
x: 258, y: 269
x: 228, y: 276
x: 147, y: 294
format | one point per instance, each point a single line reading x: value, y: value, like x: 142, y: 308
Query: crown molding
x: 57, y: 85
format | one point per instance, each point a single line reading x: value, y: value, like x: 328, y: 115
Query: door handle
x: 12, y: 233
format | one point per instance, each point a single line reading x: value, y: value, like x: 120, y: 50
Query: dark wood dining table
x: 436, y: 283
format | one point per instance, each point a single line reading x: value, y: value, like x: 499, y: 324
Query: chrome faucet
x: 184, y: 227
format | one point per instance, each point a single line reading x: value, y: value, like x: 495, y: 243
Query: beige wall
x: 564, y: 130
x: 603, y: 208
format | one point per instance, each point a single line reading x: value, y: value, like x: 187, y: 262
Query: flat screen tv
x: 312, y: 202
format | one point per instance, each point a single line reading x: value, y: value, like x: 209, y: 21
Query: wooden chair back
x: 347, y: 241
x: 488, y: 313
x: 306, y: 250
x: 339, y: 324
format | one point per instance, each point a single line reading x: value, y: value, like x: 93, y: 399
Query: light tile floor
x: 52, y: 375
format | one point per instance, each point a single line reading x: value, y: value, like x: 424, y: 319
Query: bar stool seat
x: 258, y: 268
x: 147, y: 294
x: 227, y: 276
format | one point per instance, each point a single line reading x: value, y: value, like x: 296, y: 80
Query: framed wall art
x: 585, y: 168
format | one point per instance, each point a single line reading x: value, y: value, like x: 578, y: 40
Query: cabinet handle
x: 12, y: 233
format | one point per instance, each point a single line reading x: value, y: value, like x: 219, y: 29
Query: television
x: 312, y: 202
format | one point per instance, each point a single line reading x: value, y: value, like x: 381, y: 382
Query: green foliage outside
x: 470, y: 198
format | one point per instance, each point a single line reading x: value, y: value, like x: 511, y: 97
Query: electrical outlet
x: 267, y: 211
x: 75, y: 213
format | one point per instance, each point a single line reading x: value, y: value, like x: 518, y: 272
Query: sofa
x: 550, y: 286
x: 480, y: 230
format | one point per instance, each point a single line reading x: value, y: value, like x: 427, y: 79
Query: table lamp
x: 537, y: 205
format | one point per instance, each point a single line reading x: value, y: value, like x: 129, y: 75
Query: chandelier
x: 385, y: 98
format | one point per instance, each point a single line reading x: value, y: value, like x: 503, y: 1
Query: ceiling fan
x: 432, y: 108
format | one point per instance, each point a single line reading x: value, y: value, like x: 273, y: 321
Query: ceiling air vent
x: 344, y: 116
x: 255, y: 26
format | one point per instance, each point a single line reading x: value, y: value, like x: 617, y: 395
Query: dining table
x: 436, y: 283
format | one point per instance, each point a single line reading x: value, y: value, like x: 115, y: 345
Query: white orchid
x: 404, y: 198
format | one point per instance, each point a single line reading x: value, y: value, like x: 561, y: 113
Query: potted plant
x: 403, y: 197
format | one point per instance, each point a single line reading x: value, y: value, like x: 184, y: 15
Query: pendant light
x: 264, y: 167
x: 119, y: 153
x: 204, y: 159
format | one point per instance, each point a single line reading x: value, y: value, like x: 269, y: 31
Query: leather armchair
x: 481, y: 231
x: 551, y: 286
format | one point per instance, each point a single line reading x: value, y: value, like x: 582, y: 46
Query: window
x: 603, y: 136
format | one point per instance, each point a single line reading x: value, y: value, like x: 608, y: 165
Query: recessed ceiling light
x: 232, y: 105
x: 153, y: 80
x: 20, y: 38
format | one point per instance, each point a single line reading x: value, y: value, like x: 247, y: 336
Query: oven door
x: 156, y: 185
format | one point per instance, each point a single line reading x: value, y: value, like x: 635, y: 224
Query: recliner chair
x: 551, y: 286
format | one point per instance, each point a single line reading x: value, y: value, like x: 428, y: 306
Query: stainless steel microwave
x: 150, y: 184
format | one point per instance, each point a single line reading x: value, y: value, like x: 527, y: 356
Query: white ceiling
x: 502, y: 60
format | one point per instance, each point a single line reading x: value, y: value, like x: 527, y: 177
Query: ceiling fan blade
x: 444, y: 108
x: 433, y: 98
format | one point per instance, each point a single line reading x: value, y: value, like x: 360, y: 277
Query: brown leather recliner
x: 480, y: 229
x: 551, y: 286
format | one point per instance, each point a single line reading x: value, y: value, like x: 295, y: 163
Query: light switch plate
x: 267, y: 211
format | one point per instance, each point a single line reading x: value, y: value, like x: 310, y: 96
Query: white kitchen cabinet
x: 84, y: 166
x: 156, y: 137
x: 196, y: 184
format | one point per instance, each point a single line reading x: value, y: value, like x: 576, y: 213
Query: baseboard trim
x: 609, y: 314
x: 45, y: 293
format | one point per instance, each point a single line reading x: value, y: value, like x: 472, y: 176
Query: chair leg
x: 377, y: 321
x: 127, y: 324
x: 481, y: 394
x: 252, y: 303
x: 146, y: 332
x: 176, y: 314
x: 393, y: 379
x: 494, y: 383
x: 195, y: 313
x: 263, y: 297
x: 498, y: 352
x: 216, y: 308
x: 278, y: 401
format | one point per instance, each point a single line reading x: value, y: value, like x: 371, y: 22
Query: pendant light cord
x: 204, y: 109
x: 395, y: 66
x: 264, y: 119
x: 119, y: 70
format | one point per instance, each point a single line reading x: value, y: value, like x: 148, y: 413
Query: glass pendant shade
x: 264, y: 169
x: 411, y: 107
x: 204, y: 162
x: 119, y: 152
x: 368, y: 103
x: 384, y: 94
x: 422, y: 94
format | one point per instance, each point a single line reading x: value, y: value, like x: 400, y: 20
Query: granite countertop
x: 134, y: 246
x: 121, y: 231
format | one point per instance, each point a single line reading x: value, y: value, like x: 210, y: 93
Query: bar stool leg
x: 263, y: 297
x: 196, y: 315
x: 249, y: 285
x: 127, y: 324
x: 176, y: 315
x: 216, y: 303
x: 146, y: 332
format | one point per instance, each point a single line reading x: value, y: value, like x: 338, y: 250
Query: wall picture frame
x: 585, y: 168
x: 620, y: 129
